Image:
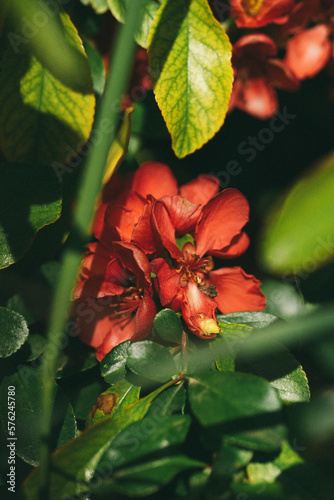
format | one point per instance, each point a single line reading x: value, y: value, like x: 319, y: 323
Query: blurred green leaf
x: 28, y: 413
x: 30, y: 198
x: 223, y: 346
x: 144, y: 479
x: 299, y: 233
x: 219, y: 397
x: 191, y: 71
x: 283, y: 300
x: 263, y: 438
x: 44, y: 120
x: 113, y: 365
x: 168, y: 326
x: 255, y: 319
x: 100, y: 6
x: 169, y: 401
x: 96, y: 67
x: 151, y: 360
x: 14, y: 332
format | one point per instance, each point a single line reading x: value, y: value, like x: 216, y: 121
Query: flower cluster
x: 155, y: 247
x: 303, y: 29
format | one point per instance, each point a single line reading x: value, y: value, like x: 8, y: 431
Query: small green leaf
x: 144, y: 479
x: 168, y: 326
x: 43, y: 120
x: 30, y: 198
x: 151, y: 360
x: 298, y: 238
x: 183, y: 240
x: 100, y: 6
x: 191, y: 71
x: 96, y: 67
x: 14, y: 332
x: 113, y: 365
x: 218, y: 397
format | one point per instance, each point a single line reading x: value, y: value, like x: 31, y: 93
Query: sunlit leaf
x: 30, y: 198
x: 190, y: 67
x: 43, y: 120
x: 299, y: 234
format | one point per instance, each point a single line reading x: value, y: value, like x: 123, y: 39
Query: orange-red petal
x: 201, y: 189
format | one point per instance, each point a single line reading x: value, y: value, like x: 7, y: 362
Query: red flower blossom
x: 114, y: 297
x: 256, y: 13
x: 188, y: 283
x: 257, y: 72
x: 308, y: 52
x: 126, y: 216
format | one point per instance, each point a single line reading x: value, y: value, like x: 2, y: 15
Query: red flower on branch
x: 257, y: 72
x: 256, y: 13
x: 114, y: 296
x: 186, y: 280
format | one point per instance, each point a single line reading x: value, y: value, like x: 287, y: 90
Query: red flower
x: 257, y: 72
x: 188, y: 282
x: 256, y: 13
x: 114, y: 297
x: 308, y: 52
x: 126, y: 215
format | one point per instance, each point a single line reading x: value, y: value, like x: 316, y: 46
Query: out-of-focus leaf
x: 151, y: 360
x: 299, y: 233
x: 28, y: 413
x: 44, y: 120
x: 191, y: 71
x: 97, y: 68
x: 168, y: 326
x: 255, y: 319
x: 283, y: 300
x: 30, y: 198
x: 100, y: 6
x: 168, y: 402
x: 14, y: 332
x: 218, y: 397
x: 267, y: 439
x: 223, y: 346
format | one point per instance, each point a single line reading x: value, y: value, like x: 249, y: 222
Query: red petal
x: 183, y: 213
x: 156, y: 179
x: 195, y: 306
x: 237, y: 291
x: 255, y: 97
x: 250, y: 14
x: 308, y: 52
x: 201, y: 189
x: 281, y: 76
x: 144, y: 318
x: 256, y: 45
x: 167, y: 284
x: 222, y: 219
x: 164, y: 231
x: 134, y: 259
x: 116, y: 332
x: 237, y: 247
x: 142, y: 234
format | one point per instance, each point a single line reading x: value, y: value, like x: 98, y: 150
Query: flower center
x: 252, y: 7
x: 125, y: 304
x: 196, y: 269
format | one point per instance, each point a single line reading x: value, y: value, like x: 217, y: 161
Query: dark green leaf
x: 144, y: 479
x: 219, y: 397
x: 28, y: 413
x: 255, y: 319
x: 36, y: 344
x: 113, y: 365
x: 100, y: 6
x: 151, y: 360
x: 77, y: 357
x: 30, y: 198
x: 227, y: 461
x: 223, y: 346
x: 14, y: 331
x: 267, y: 439
x: 145, y: 437
x: 168, y: 326
x: 169, y: 401
x: 96, y: 67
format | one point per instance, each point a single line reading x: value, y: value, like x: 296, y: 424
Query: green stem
x: 105, y: 125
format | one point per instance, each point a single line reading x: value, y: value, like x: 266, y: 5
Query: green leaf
x: 30, y: 198
x: 168, y: 326
x: 42, y: 119
x: 190, y: 66
x: 75, y: 463
x: 118, y: 10
x: 96, y: 67
x: 145, y: 437
x: 77, y: 357
x: 219, y: 397
x: 227, y: 461
x: 284, y: 373
x: 255, y: 319
x: 169, y: 401
x: 151, y: 360
x: 144, y: 479
x: 268, y: 472
x: 283, y: 300
x: 298, y: 238
x: 267, y: 439
x: 100, y: 6
x: 113, y: 365
x: 28, y: 413
x: 223, y: 346
x: 14, y: 332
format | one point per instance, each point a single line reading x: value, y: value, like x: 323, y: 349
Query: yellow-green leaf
x: 299, y: 233
x: 42, y: 120
x: 190, y: 66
